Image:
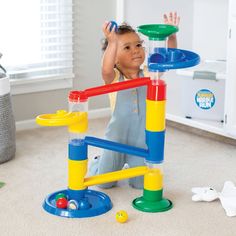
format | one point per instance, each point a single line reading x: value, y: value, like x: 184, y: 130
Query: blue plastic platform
x: 99, y: 203
x: 173, y: 59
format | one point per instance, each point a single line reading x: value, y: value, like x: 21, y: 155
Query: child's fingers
x: 165, y: 18
x: 113, y: 30
x: 106, y: 28
x: 106, y: 25
x: 171, y: 17
x: 175, y: 18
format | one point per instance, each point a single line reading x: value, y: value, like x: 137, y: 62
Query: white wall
x: 28, y: 106
x: 89, y: 17
x: 210, y: 19
x: 138, y: 12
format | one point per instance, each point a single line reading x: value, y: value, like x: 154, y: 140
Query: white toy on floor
x: 227, y: 196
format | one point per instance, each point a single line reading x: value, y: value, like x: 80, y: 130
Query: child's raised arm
x: 172, y: 19
x: 109, y: 56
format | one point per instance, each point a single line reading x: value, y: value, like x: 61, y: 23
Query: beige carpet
x: 40, y: 168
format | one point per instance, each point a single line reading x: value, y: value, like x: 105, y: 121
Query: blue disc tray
x: 174, y: 59
x: 99, y: 202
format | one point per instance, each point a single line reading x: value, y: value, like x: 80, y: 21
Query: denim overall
x: 127, y: 126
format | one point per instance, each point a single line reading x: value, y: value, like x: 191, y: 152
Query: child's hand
x: 172, y: 19
x: 109, y: 34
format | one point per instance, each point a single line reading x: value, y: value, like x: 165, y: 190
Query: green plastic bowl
x: 157, y: 32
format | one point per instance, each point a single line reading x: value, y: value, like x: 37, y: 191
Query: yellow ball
x: 121, y: 216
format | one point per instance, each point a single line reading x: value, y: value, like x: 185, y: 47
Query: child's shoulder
x: 145, y: 71
x: 117, y: 75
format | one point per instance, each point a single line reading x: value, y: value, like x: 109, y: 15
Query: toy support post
x: 152, y: 200
x: 160, y: 59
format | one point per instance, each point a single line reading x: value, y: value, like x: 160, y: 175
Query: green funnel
x: 157, y: 32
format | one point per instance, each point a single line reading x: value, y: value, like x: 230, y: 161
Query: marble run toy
x: 78, y: 200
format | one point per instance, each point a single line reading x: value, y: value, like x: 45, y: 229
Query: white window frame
x: 40, y: 84
x: 24, y: 86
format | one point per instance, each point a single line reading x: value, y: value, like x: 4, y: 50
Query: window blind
x: 43, y: 46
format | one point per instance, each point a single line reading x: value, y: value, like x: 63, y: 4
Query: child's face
x: 130, y: 52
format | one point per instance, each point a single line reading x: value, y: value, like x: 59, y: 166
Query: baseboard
x: 92, y: 114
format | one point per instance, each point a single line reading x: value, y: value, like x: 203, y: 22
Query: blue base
x: 99, y: 202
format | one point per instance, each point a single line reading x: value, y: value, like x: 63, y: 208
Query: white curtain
x: 36, y: 38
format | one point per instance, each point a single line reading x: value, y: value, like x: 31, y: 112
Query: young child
x: 123, y: 56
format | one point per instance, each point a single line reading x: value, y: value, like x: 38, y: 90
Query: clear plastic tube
x: 75, y: 106
x: 77, y: 138
x: 158, y: 46
x: 155, y: 166
x: 155, y: 75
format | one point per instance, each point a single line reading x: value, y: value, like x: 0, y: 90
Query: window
x: 36, y: 39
